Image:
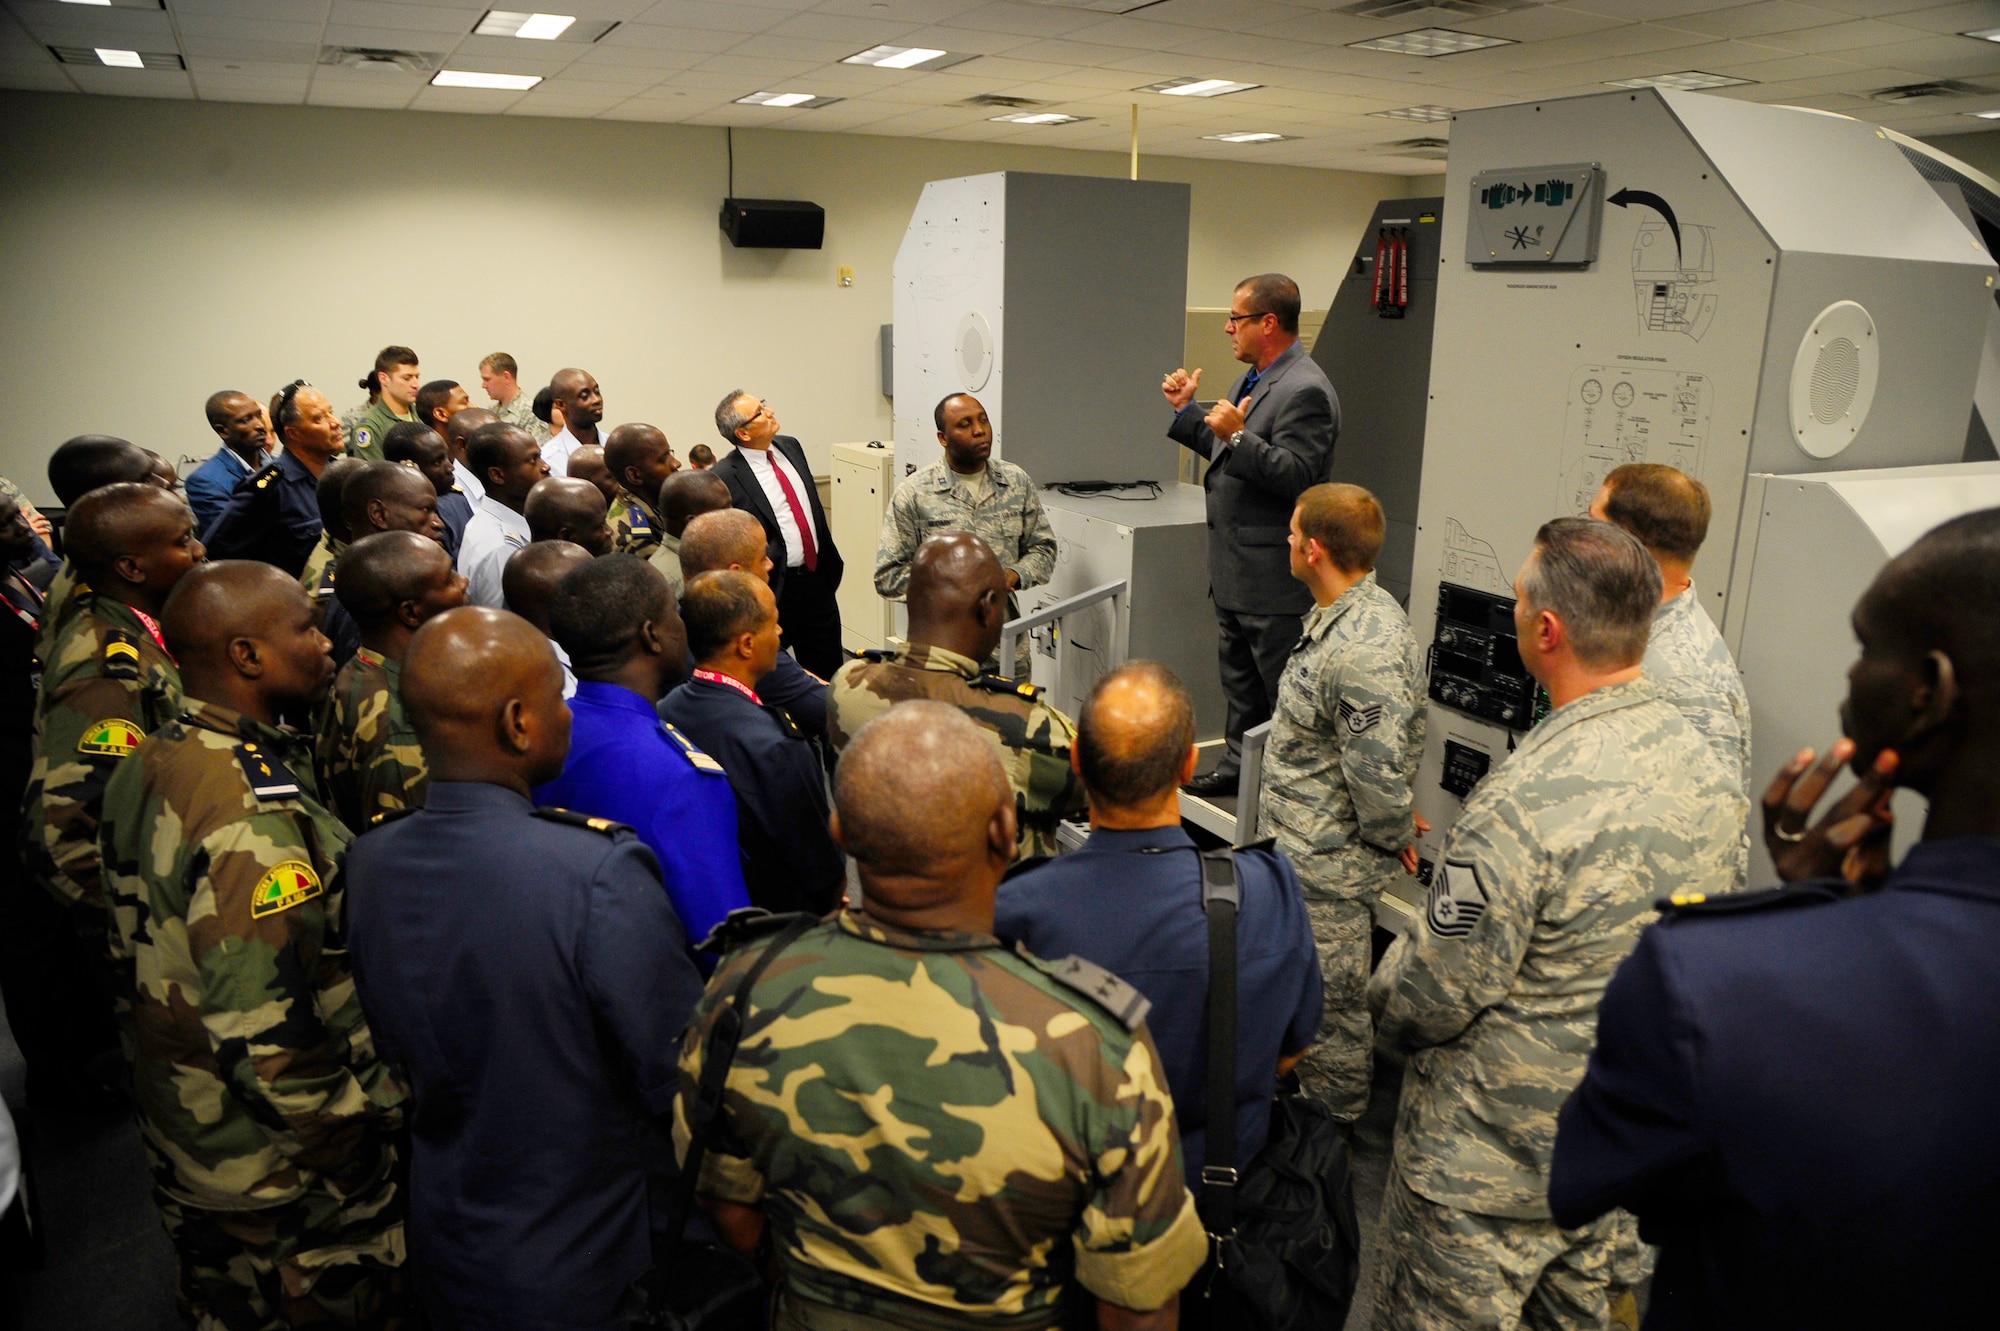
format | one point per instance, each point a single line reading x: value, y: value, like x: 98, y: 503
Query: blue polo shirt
x: 1131, y: 902
x: 627, y: 765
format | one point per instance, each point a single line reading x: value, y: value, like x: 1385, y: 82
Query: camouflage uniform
x: 1543, y: 886
x: 635, y: 528
x: 928, y: 1120
x: 1337, y: 794
x: 372, y: 429
x: 521, y: 412
x: 365, y: 751
x: 666, y: 557
x: 59, y: 606
x: 1001, y: 509
x: 1690, y: 663
x: 106, y: 684
x: 317, y: 576
x: 1034, y: 738
x: 266, y: 1115
x: 350, y: 421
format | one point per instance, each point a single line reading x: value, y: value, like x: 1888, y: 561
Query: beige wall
x: 1981, y: 151
x: 153, y: 251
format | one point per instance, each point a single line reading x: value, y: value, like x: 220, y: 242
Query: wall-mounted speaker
x: 773, y: 224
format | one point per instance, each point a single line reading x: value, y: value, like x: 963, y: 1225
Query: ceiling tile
x: 172, y: 83
x: 1035, y: 20
x: 1752, y: 20
x: 718, y: 17
x: 816, y: 50
x: 646, y: 37
x: 456, y: 19
x: 277, y: 11
x: 1941, y: 19
x: 857, y: 34
x: 1856, y: 35
x: 1224, y: 15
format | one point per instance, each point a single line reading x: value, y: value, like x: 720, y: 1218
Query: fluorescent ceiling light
x: 1984, y: 115
x: 1429, y: 115
x: 1984, y: 34
x: 1038, y: 118
x: 1194, y: 87
x: 1686, y: 80
x: 808, y: 100
x: 120, y: 59
x: 1430, y: 42
x: 105, y: 3
x: 512, y: 23
x: 1249, y: 138
x: 460, y: 78
x: 894, y: 57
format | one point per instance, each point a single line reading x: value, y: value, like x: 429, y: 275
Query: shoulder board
x: 1098, y: 985
x: 743, y: 925
x: 387, y: 816
x: 636, y: 519
x: 878, y: 655
x: 457, y: 489
x: 1019, y: 867
x: 121, y: 655
x: 267, y: 774
x: 1266, y: 844
x: 1744, y: 903
x: 702, y: 761
x: 995, y: 684
x: 325, y: 588
x: 262, y: 480
x: 785, y: 722
x: 605, y: 825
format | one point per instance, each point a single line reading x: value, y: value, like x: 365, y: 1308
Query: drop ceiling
x: 688, y: 61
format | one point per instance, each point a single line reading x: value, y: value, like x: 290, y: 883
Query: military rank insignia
x: 269, y: 778
x: 282, y: 887
x: 112, y: 738
x: 121, y: 655
x: 1359, y: 720
x: 1457, y: 901
x: 701, y: 760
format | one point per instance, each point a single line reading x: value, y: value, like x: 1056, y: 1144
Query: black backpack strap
x: 706, y: 1107
x: 1221, y: 899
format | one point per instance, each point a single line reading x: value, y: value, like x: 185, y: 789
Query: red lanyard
x: 152, y: 627
x: 717, y: 677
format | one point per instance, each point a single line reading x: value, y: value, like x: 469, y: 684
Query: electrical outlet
x: 846, y: 276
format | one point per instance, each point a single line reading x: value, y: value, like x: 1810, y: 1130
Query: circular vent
x: 1833, y: 379
x: 975, y: 350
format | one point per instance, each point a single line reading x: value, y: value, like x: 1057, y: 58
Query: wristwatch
x: 1236, y: 439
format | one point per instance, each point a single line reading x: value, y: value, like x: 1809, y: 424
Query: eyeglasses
x: 1235, y: 318
x: 285, y: 414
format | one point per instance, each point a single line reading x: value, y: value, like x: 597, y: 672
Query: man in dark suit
x: 1267, y: 443
x: 1793, y: 1090
x: 767, y: 475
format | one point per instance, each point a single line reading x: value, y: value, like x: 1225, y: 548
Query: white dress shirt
x: 494, y: 534
x: 559, y: 446
x: 467, y: 482
x: 761, y: 461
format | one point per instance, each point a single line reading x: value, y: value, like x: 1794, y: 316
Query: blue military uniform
x: 529, y: 976
x: 1131, y: 902
x: 210, y: 485
x: 272, y: 516
x: 789, y: 859
x: 1795, y: 1092
x: 798, y: 691
x: 628, y: 765
x: 456, y: 510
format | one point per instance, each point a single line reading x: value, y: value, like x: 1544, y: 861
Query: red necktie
x: 811, y: 551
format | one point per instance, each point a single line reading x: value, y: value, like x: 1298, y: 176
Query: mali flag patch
x: 112, y: 738
x: 284, y: 887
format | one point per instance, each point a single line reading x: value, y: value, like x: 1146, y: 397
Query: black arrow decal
x: 1659, y: 205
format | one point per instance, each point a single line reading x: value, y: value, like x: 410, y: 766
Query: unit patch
x: 363, y: 436
x: 283, y: 888
x: 1458, y: 899
x: 1360, y: 720
x: 113, y: 738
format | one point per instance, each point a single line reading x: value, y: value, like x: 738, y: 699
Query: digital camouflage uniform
x: 1543, y: 886
x: 635, y: 528
x: 1010, y: 519
x: 266, y: 1115
x: 365, y: 440
x: 1338, y: 795
x: 317, y: 576
x: 1034, y: 738
x: 365, y: 750
x: 350, y: 421
x: 1690, y: 663
x: 106, y: 684
x: 521, y: 412
x: 929, y: 1122
x: 666, y: 557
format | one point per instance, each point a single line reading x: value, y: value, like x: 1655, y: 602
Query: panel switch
x: 1463, y: 767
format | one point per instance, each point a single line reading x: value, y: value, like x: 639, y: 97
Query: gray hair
x: 728, y: 420
x: 1601, y: 583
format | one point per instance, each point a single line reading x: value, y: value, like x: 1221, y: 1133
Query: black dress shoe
x: 1215, y: 783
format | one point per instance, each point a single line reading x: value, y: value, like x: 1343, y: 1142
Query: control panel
x: 1475, y: 662
x: 1463, y: 767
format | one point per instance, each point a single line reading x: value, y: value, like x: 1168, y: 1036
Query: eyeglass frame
x: 1232, y: 318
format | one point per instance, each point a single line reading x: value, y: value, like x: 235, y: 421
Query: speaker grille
x: 1835, y: 376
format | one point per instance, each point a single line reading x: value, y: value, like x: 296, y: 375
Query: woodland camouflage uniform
x: 365, y: 750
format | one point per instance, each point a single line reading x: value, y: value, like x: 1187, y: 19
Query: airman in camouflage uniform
x: 1338, y: 794
x: 1542, y: 888
x: 317, y: 576
x: 969, y: 490
x: 1034, y: 738
x: 266, y: 1114
x: 520, y: 411
x: 366, y: 751
x: 636, y: 528
x: 350, y: 420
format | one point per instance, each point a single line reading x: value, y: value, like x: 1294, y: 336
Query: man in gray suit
x: 1267, y: 443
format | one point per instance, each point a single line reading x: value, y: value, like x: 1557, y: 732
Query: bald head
x: 89, y: 461
x: 587, y: 464
x: 687, y: 495
x: 385, y: 572
x: 957, y: 595
x: 243, y: 634
x: 919, y: 794
x: 463, y: 425
x: 124, y: 534
x: 563, y: 508
x: 379, y: 495
x: 1134, y: 735
x: 529, y: 580
x: 635, y: 446
x: 577, y: 394
x: 729, y: 538
x: 228, y: 599
x: 332, y: 489
x: 484, y: 693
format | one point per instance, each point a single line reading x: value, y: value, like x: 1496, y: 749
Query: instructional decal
x: 1673, y: 278
x: 1470, y: 562
x: 1619, y: 414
